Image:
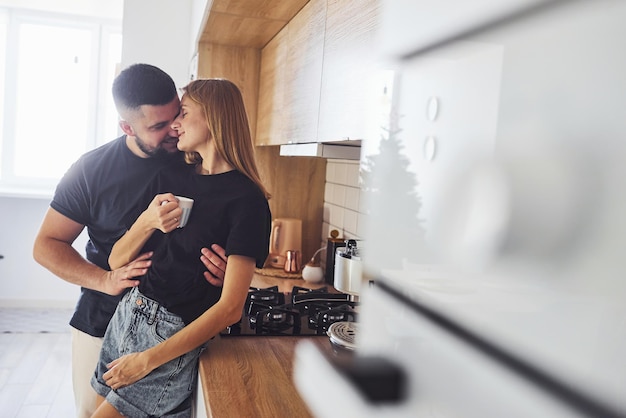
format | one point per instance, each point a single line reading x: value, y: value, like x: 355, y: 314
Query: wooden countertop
x: 252, y: 376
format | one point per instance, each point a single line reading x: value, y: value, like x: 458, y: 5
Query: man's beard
x: 152, y: 152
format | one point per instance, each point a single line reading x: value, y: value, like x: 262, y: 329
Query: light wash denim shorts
x: 138, y: 324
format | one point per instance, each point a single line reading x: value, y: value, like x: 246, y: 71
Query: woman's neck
x: 214, y: 165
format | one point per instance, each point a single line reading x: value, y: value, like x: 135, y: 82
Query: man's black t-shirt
x: 228, y: 210
x: 106, y: 190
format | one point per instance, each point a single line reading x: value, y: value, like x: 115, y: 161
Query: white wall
x: 23, y: 282
x: 342, y: 200
x: 157, y: 32
x: 198, y: 11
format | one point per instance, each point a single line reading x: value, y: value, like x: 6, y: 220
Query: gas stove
x: 303, y: 312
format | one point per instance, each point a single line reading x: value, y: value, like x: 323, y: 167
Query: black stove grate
x: 303, y: 312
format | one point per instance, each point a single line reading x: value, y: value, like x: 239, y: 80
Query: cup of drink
x: 185, y: 204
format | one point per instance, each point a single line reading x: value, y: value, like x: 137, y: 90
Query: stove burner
x: 306, y: 312
x: 276, y: 319
x: 270, y: 295
x: 342, y: 334
x: 323, y: 316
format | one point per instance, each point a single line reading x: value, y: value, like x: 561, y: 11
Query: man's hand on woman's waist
x: 214, y: 260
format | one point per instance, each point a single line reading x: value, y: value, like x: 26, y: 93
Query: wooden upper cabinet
x: 248, y: 23
x: 352, y: 83
x: 270, y: 116
x: 238, y: 64
x: 320, y: 80
x: 305, y: 52
x: 291, y: 77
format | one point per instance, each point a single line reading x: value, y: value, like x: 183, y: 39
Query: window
x: 56, y: 75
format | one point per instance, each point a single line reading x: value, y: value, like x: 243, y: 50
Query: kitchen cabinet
x: 270, y: 121
x: 240, y: 65
x: 305, y: 49
x: 247, y: 23
x: 290, y: 82
x: 320, y: 80
x: 230, y: 46
x: 350, y: 90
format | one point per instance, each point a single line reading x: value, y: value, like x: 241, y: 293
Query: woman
x: 149, y: 359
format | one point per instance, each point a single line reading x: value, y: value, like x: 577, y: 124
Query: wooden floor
x: 35, y: 375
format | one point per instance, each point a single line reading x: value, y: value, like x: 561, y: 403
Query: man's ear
x: 126, y: 128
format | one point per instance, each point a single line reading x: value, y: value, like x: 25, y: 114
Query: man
x: 105, y: 190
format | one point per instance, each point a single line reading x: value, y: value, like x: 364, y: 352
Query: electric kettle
x: 286, y: 235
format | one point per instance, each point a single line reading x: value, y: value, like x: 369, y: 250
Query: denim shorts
x: 138, y: 324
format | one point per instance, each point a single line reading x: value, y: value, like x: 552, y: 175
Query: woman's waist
x: 150, y: 306
x: 179, y: 290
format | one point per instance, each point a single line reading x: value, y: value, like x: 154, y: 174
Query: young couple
x: 148, y: 359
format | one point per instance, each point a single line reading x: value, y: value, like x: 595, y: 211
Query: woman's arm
x: 162, y: 213
x: 133, y: 367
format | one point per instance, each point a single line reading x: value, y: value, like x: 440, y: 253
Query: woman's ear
x: 126, y: 128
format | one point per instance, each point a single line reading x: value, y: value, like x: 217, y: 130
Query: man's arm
x: 53, y: 250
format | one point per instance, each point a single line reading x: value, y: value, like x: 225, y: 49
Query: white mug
x: 185, y: 204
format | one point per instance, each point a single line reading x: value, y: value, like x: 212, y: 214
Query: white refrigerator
x: 494, y: 235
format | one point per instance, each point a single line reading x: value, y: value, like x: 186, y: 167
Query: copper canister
x: 292, y: 262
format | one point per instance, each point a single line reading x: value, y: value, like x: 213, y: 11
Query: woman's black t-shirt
x: 229, y: 210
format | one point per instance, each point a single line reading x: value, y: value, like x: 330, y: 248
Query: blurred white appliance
x: 348, y: 269
x: 502, y: 293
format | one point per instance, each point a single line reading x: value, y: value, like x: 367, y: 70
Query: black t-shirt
x: 106, y: 190
x: 229, y: 210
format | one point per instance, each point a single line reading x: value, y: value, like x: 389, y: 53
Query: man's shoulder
x: 112, y: 148
x: 105, y: 154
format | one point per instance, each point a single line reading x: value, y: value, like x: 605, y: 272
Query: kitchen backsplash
x: 342, y: 207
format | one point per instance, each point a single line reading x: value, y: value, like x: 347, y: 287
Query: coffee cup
x: 185, y: 204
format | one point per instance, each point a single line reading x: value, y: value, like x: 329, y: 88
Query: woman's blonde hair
x: 226, y: 118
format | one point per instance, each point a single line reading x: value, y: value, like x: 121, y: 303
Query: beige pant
x: 85, y: 354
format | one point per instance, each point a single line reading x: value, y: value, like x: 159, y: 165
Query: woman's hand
x: 127, y: 370
x: 163, y: 213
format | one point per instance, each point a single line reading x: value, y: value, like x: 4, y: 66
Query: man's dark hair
x: 143, y: 84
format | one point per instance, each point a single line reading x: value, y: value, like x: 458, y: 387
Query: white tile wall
x: 342, y: 200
